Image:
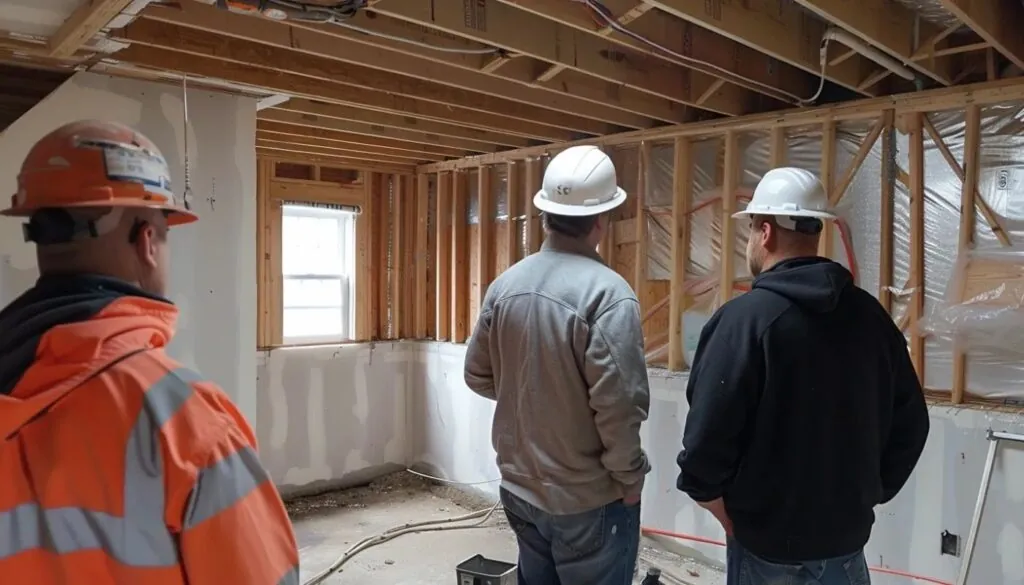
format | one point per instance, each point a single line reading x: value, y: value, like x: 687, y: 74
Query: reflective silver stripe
x: 224, y: 484
x: 290, y: 578
x: 140, y: 538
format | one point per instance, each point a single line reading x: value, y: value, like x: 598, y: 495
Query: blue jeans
x: 744, y: 568
x: 597, y: 547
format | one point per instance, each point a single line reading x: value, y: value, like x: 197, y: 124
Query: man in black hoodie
x: 805, y: 409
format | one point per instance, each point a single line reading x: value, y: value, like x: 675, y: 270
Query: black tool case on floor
x: 480, y: 570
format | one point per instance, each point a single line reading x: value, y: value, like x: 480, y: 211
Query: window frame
x: 272, y: 193
x: 348, y: 279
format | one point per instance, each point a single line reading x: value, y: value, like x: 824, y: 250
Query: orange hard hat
x: 93, y: 163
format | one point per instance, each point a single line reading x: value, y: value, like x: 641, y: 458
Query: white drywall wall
x: 333, y: 416
x: 213, y: 262
x: 451, y: 432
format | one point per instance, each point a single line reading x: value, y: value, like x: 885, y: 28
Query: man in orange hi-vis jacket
x: 117, y: 464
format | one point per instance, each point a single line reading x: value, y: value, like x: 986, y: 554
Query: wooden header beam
x: 947, y: 98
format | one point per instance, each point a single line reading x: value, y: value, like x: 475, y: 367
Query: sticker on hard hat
x: 138, y: 166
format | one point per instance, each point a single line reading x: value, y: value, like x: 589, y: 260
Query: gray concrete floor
x: 327, y: 525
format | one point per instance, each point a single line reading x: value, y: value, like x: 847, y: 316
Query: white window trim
x: 348, y: 237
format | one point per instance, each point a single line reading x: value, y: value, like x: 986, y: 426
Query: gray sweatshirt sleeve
x: 616, y: 372
x: 478, y: 373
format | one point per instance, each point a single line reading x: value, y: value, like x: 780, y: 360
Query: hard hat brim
x: 801, y: 213
x: 177, y: 215
x: 541, y: 202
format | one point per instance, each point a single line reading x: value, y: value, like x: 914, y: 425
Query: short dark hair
x: 570, y: 226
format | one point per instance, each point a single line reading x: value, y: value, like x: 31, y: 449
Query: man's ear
x: 769, y: 235
x: 146, y: 244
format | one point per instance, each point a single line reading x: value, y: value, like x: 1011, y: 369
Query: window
x: 318, y: 266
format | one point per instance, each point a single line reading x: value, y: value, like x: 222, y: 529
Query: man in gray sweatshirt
x: 559, y: 346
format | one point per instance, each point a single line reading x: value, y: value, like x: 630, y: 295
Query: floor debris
x: 328, y: 524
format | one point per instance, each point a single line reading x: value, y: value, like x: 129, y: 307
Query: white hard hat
x: 579, y: 181
x: 789, y: 191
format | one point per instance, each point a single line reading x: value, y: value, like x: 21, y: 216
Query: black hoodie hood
x: 54, y: 300
x: 814, y: 284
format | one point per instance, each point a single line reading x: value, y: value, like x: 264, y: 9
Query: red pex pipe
x: 681, y: 536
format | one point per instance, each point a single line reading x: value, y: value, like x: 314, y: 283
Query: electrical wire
x: 450, y: 482
x: 610, y: 20
x: 480, y: 516
x: 683, y: 536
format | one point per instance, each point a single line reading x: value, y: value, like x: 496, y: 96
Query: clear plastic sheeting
x: 932, y: 11
x: 499, y: 190
x: 983, y: 314
x: 984, y: 321
x: 658, y: 208
x: 473, y: 200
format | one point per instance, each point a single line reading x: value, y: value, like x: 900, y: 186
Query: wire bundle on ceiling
x: 608, y: 18
x: 296, y: 9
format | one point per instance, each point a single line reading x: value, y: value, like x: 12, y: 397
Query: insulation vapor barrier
x: 857, y: 241
x: 973, y: 300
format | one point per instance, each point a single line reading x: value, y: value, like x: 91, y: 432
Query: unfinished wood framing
x: 445, y: 238
x: 641, y: 261
x: 278, y: 182
x: 730, y: 181
x: 950, y: 98
x: 917, y: 235
x: 887, y: 217
x: 682, y: 195
x: 484, y: 238
x: 534, y: 234
x: 514, y: 204
x: 440, y: 299
x: 827, y: 176
x: 460, y: 259
x: 968, y: 197
x: 422, y: 253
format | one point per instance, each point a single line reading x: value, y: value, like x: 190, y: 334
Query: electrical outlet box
x: 950, y: 544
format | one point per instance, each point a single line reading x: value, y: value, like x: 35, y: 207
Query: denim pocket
x: 857, y: 570
x: 754, y: 570
x: 579, y: 535
x: 517, y: 524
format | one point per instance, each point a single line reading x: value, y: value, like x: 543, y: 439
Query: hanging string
x: 187, y: 195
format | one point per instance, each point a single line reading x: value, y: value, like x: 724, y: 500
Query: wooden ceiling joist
x: 889, y: 26
x: 526, y: 70
x: 997, y: 21
x: 716, y: 54
x: 418, y: 130
x: 299, y: 85
x: 265, y: 130
x: 554, y: 43
x: 360, y: 163
x: 385, y: 145
x: 297, y: 144
x: 585, y: 116
x: 787, y: 34
x: 569, y: 83
x: 83, y: 24
x: 516, y: 118
x: 328, y: 152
